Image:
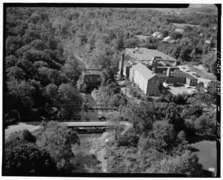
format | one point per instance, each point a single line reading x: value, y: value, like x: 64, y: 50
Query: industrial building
x: 89, y: 80
x: 177, y: 76
x: 147, y: 81
x: 148, y: 56
x: 149, y: 68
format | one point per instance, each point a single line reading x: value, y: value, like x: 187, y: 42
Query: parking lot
x: 181, y: 90
x: 188, y: 70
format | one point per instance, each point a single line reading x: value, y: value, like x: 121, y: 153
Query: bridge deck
x: 93, y: 124
x: 88, y: 124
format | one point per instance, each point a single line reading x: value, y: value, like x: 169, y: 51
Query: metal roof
x: 147, y: 54
x: 177, y: 73
x: 144, y: 71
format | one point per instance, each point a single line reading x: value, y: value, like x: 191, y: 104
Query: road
x: 20, y: 127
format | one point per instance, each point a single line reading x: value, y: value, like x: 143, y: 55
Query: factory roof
x: 177, y: 73
x: 144, y: 71
x: 147, y: 54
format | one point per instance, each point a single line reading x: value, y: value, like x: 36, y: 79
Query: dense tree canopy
x: 25, y: 158
x: 58, y: 140
x: 36, y: 67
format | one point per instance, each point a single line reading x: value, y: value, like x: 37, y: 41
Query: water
x: 207, y: 154
x: 92, y: 115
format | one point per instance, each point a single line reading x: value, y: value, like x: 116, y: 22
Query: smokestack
x: 168, y: 71
x: 121, y: 65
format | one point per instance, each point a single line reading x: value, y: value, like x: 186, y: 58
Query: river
x: 92, y: 115
x: 207, y: 154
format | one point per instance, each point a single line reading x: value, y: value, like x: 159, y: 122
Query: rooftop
x: 144, y: 71
x: 178, y: 73
x: 147, y: 54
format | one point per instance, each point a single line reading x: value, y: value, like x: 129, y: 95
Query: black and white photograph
x: 111, y: 90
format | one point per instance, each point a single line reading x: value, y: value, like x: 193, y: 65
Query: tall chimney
x: 168, y: 71
x: 121, y: 65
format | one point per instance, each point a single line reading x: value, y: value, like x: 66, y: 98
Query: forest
x: 41, y: 77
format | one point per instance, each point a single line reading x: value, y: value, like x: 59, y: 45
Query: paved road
x: 20, y: 127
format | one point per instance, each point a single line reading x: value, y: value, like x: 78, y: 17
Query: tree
x: 22, y: 92
x: 173, y: 117
x: 186, y: 164
x: 175, y: 35
x: 129, y: 138
x: 57, y: 139
x: 25, y: 158
x: 117, y: 100
x: 209, y: 60
x: 51, y: 91
x: 71, y: 71
x: 176, y: 52
x: 10, y: 61
x: 164, y: 133
x: 28, y: 136
x: 142, y: 116
x: 185, y: 53
x: 212, y: 90
x: 165, y: 33
x: 15, y: 72
x: 206, y: 124
x: 68, y: 97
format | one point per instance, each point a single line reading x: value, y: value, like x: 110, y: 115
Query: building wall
x: 153, y: 86
x: 140, y: 81
x: 149, y: 87
x: 92, y: 79
x: 126, y: 71
x: 188, y: 81
x: 131, y: 74
x: 193, y: 82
